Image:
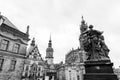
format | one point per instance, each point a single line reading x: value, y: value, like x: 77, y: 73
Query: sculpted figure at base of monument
x: 94, y: 45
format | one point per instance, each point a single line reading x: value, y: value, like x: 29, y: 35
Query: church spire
x: 83, y: 21
x: 33, y: 42
x: 50, y: 36
x: 49, y: 52
x: 83, y: 26
x: 50, y: 42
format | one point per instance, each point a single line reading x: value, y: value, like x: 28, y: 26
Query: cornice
x: 16, y: 40
x: 49, y: 57
x: 15, y: 32
x: 8, y: 53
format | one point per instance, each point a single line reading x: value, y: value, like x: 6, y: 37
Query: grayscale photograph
x: 59, y: 39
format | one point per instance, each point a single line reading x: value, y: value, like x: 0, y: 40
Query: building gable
x: 35, y: 54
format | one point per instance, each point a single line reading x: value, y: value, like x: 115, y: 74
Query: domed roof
x: 49, y: 49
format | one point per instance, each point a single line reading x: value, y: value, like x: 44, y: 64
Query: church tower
x: 49, y: 52
x: 83, y: 28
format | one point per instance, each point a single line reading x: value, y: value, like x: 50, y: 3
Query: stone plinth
x: 99, y: 70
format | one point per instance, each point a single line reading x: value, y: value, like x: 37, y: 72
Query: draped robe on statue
x: 94, y: 45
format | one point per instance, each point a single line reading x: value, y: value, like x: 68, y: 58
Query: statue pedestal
x: 99, y: 70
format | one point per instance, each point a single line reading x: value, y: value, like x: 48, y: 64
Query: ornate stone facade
x: 61, y: 71
x: 35, y: 68
x: 18, y: 63
x: 13, y: 44
x: 74, y: 67
x: 34, y: 64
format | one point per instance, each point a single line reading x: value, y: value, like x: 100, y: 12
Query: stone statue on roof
x: 94, y: 45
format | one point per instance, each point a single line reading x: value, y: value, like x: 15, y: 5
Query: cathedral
x: 73, y: 68
x: 17, y: 62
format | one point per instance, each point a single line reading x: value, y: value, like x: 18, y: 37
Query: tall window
x: 1, y: 63
x: 26, y: 74
x: 12, y: 66
x: 27, y: 68
x: 35, y: 68
x: 38, y: 74
x: 78, y: 77
x: 16, y: 48
x: 4, y: 44
x: 39, y: 69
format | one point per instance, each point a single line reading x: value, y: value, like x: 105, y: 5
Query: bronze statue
x: 94, y: 45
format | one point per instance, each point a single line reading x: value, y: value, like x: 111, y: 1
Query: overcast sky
x: 62, y: 18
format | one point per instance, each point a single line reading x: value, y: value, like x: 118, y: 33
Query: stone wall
x: 6, y: 74
x: 8, y: 55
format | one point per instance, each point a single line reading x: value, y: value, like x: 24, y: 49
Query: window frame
x: 38, y: 73
x: 3, y: 45
x: 2, y: 62
x: 13, y: 65
x: 39, y: 68
x: 27, y: 68
x: 26, y: 74
x: 16, y: 48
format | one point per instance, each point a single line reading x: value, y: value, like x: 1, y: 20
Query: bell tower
x: 49, y: 52
x: 83, y: 28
